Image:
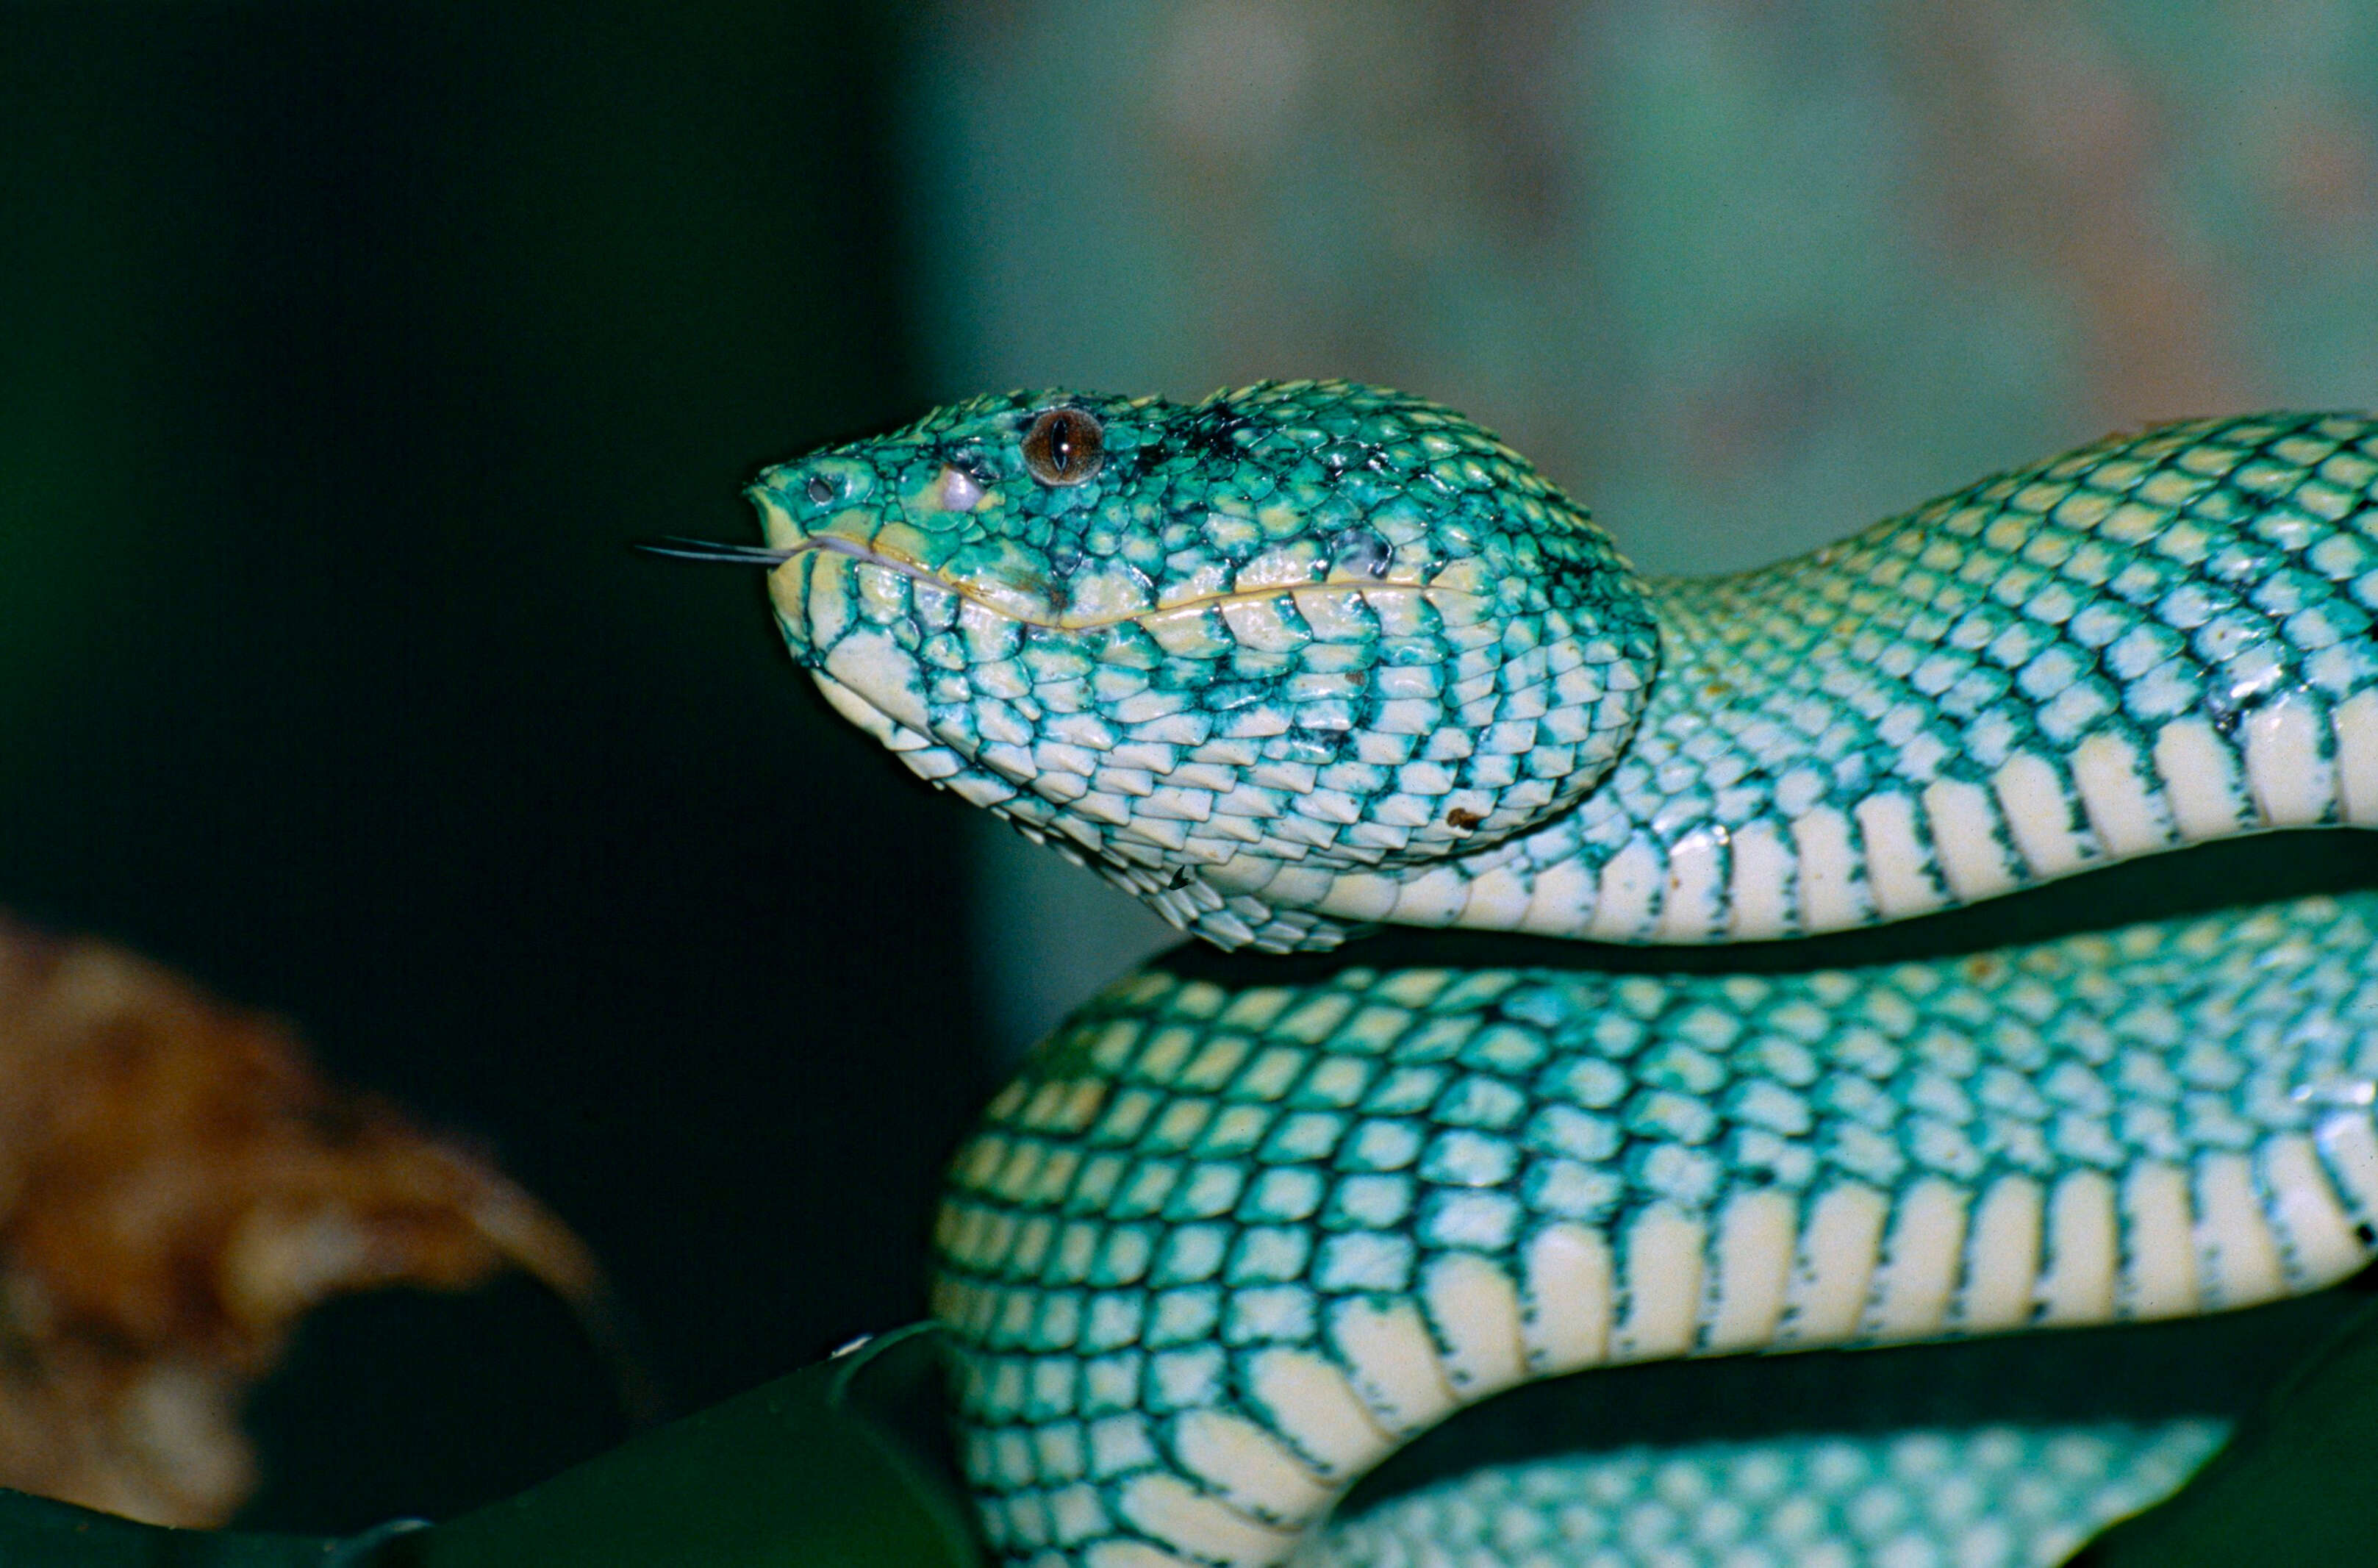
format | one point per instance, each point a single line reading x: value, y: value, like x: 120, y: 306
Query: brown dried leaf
x: 177, y: 1187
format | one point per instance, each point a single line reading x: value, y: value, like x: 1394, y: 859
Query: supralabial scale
x: 1310, y: 657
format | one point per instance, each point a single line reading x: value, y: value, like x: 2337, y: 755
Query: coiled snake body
x: 1307, y: 656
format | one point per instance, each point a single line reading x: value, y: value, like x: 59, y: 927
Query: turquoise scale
x: 1985, y: 1497
x: 1219, y: 1250
x: 1309, y: 657
x: 2153, y: 642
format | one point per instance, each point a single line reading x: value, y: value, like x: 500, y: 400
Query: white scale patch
x: 2293, y: 785
x: 2078, y: 1286
x: 1248, y: 1467
x: 1966, y: 835
x: 2321, y: 1245
x: 1924, y: 1259
x: 1388, y: 1354
x: 2241, y: 1256
x: 1839, y: 1252
x: 2356, y: 721
x: 1757, y: 1239
x: 2162, y: 1242
x: 1309, y: 1402
x: 1567, y: 1323
x: 2127, y: 815
x: 1664, y: 1285
x: 2003, y: 1257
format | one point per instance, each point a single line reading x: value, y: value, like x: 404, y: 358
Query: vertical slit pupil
x: 1063, y: 447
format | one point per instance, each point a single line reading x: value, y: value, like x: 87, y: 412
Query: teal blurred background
x: 346, y: 345
x: 1741, y: 276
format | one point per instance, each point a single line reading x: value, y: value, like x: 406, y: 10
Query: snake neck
x: 2154, y: 642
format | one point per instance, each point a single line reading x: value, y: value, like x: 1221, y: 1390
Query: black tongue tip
x: 714, y: 552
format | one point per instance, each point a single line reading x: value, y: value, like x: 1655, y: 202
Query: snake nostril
x: 820, y: 490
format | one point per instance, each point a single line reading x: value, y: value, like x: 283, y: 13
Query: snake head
x: 1227, y: 653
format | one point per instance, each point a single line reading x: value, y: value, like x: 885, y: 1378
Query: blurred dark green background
x: 342, y: 349
x: 345, y: 346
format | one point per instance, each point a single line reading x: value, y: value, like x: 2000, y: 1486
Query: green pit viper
x: 1306, y: 657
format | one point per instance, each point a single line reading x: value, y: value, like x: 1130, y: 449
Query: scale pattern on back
x: 1218, y: 1249
x: 2157, y: 640
x: 1992, y: 1497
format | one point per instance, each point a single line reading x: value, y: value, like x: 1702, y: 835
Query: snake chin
x: 1188, y: 896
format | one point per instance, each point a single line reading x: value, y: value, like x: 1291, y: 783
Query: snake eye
x: 1063, y: 447
x: 821, y: 489
x: 1358, y: 551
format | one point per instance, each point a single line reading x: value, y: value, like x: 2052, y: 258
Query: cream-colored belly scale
x: 1221, y: 1248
